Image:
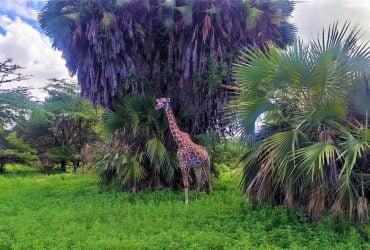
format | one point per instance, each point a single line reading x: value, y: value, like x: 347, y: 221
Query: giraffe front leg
x: 185, y: 179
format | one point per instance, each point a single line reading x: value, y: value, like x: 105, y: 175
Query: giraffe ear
x: 168, y: 99
x: 157, y: 100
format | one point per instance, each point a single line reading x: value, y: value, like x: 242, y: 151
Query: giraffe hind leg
x: 208, y: 177
x: 198, y: 174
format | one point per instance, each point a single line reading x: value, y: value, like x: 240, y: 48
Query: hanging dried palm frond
x: 162, y: 47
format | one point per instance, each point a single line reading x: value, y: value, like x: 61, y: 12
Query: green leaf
x: 315, y: 158
x: 186, y: 12
x: 157, y: 152
x: 108, y: 20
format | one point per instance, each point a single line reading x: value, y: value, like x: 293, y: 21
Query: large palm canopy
x: 177, y: 48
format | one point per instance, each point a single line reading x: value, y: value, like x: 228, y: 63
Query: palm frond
x: 157, y: 152
x: 334, y: 108
x: 255, y: 66
x: 76, y: 17
x: 132, y: 172
x: 315, y: 158
x: 251, y: 168
x: 108, y: 20
x: 113, y: 121
x: 169, y: 4
x: 186, y: 12
x: 314, y: 89
x: 316, y: 202
x: 253, y: 17
x: 249, y: 107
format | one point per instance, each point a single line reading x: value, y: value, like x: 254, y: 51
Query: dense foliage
x: 61, y: 126
x: 177, y: 48
x: 137, y: 154
x: 313, y: 149
x: 14, y: 102
x: 70, y: 211
x: 17, y: 151
x: 140, y: 151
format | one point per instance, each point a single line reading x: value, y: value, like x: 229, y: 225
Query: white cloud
x: 31, y: 50
x: 312, y: 16
x: 4, y: 21
x: 22, y: 8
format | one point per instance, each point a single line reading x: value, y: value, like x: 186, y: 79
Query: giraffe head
x: 162, y: 103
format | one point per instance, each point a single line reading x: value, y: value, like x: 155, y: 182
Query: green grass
x: 66, y: 211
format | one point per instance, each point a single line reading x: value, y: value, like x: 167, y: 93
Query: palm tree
x: 138, y: 155
x: 162, y: 47
x: 313, y: 146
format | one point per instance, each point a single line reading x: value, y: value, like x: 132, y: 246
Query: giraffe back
x: 191, y: 154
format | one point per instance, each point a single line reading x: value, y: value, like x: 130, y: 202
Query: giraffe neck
x: 175, y: 131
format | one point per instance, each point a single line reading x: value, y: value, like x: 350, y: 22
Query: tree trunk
x: 76, y: 164
x: 63, y: 165
x: 2, y: 167
x: 79, y: 136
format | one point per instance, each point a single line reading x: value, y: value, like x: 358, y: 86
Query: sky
x: 312, y: 16
x: 22, y: 40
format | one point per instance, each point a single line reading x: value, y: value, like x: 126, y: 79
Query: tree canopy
x: 14, y: 102
x: 181, y: 49
x: 60, y: 126
x: 17, y: 151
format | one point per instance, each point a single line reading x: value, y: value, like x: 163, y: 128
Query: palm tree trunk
x: 2, y: 167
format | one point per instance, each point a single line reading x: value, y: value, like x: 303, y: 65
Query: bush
x: 17, y: 151
x: 222, y: 151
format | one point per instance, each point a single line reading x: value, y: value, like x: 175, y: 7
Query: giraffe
x: 189, y: 154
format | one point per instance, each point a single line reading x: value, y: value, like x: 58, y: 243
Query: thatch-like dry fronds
x: 362, y: 210
x: 316, y: 202
x: 183, y: 49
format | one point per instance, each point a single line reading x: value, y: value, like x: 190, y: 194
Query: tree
x: 17, y: 151
x: 181, y: 49
x: 9, y: 72
x: 15, y: 102
x: 62, y: 125
x: 314, y: 145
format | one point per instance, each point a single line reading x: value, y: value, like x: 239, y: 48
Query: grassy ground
x: 63, y: 211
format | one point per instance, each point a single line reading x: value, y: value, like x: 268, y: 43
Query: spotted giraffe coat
x: 189, y: 154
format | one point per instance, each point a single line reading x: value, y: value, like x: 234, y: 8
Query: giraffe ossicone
x: 189, y: 154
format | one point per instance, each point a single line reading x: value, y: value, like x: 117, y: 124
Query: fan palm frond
x: 314, y: 103
x: 132, y: 172
x: 315, y: 158
x: 157, y: 152
x: 186, y: 12
x: 108, y: 20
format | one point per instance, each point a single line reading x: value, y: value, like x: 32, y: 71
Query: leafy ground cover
x: 71, y: 211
